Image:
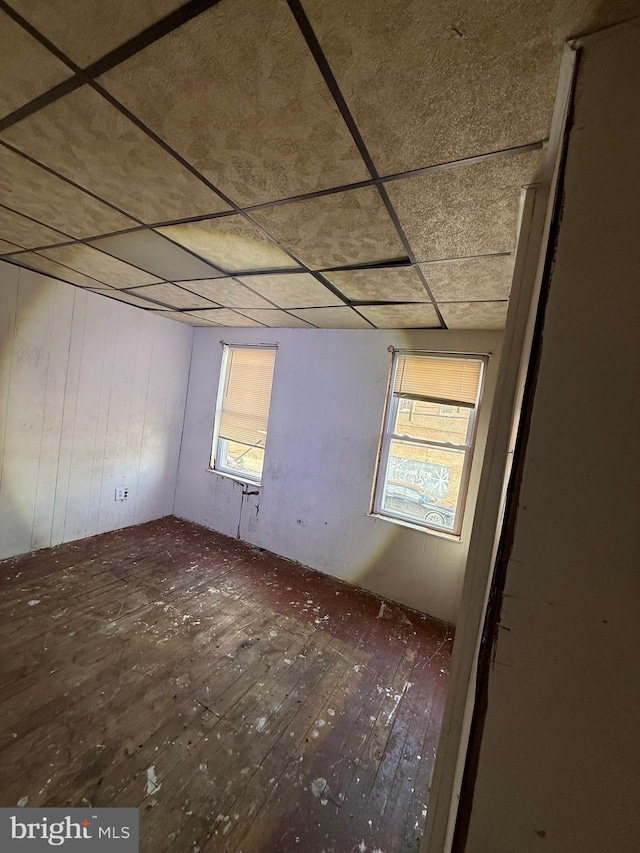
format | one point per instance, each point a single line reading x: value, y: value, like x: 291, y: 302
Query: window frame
x: 214, y: 464
x: 388, y: 437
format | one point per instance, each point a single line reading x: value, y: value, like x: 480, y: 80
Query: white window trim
x: 391, y: 409
x: 214, y: 466
x: 399, y: 521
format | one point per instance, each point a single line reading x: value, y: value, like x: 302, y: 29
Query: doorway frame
x: 538, y: 205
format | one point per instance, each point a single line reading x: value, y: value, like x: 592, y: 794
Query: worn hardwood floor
x: 242, y: 702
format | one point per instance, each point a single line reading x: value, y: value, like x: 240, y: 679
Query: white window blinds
x: 453, y: 381
x: 247, y: 395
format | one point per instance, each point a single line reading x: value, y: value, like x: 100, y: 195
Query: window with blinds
x: 242, y: 411
x: 428, y: 439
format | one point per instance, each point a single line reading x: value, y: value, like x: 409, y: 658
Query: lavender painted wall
x: 326, y: 416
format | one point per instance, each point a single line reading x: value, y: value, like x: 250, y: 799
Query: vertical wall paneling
x: 48, y: 451
x: 8, y: 310
x: 92, y: 395
x: 84, y: 422
x: 97, y: 489
x: 136, y: 427
x: 69, y: 411
x: 8, y: 314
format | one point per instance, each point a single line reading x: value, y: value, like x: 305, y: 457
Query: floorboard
x: 243, y: 703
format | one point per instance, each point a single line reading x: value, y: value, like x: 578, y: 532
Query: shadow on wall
x: 416, y: 569
x: 412, y: 567
x: 606, y: 14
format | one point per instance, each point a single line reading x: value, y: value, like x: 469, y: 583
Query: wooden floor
x: 243, y: 703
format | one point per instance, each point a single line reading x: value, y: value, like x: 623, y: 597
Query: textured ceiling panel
x: 171, y: 295
x: 227, y: 292
x: 472, y: 210
x: 474, y: 315
x: 154, y: 253
x: 85, y: 30
x: 230, y: 242
x: 381, y: 284
x: 25, y: 232
x: 420, y: 316
x: 126, y: 297
x: 298, y: 290
x: 470, y: 279
x: 83, y: 137
x: 438, y: 81
x: 277, y: 319
x: 224, y: 317
x: 333, y: 318
x: 6, y: 247
x: 35, y: 192
x: 345, y: 228
x: 49, y: 267
x: 188, y: 319
x: 27, y: 69
x: 263, y: 124
x: 103, y: 267
x: 236, y: 91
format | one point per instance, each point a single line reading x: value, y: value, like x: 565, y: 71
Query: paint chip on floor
x: 153, y: 786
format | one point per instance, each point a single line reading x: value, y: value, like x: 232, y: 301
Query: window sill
x: 430, y: 531
x: 235, y: 478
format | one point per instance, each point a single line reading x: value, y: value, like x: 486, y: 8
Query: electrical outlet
x: 122, y: 493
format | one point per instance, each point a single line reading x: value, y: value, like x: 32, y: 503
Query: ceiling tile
x: 224, y: 317
x: 277, y: 319
x: 28, y: 188
x: 474, y: 315
x: 350, y: 227
x: 333, y: 318
x: 183, y: 317
x: 170, y: 294
x: 27, y: 69
x: 86, y: 30
x: 83, y: 137
x: 25, y: 232
x: 126, y: 297
x: 231, y: 242
x: 6, y: 247
x: 227, y: 292
x: 470, y: 210
x: 297, y: 290
x: 416, y: 316
x: 154, y: 253
x: 237, y: 93
x: 103, y: 267
x: 438, y: 81
x: 378, y: 284
x: 470, y: 279
x: 49, y: 267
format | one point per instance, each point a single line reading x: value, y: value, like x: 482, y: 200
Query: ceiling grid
x: 337, y: 173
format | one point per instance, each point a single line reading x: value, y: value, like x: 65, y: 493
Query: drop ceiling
x: 279, y: 163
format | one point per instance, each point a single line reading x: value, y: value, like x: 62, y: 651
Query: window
x: 242, y: 411
x: 428, y: 439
